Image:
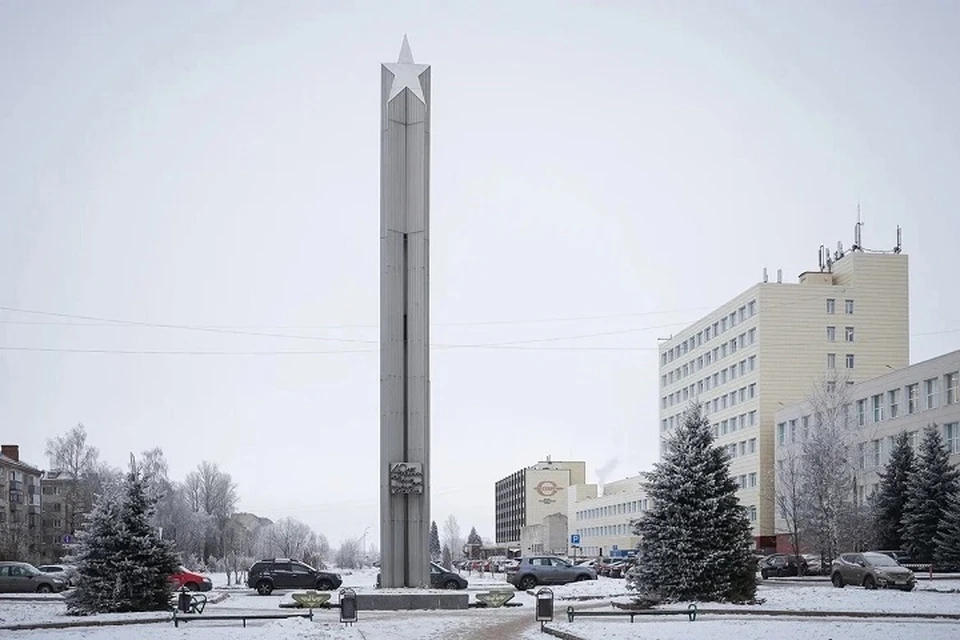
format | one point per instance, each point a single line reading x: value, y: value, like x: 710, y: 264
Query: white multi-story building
x: 767, y: 347
x: 528, y: 496
x: 604, y: 520
x: 905, y: 400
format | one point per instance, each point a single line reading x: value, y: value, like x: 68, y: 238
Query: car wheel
x: 44, y: 588
x: 451, y: 584
x: 192, y: 586
x: 264, y: 588
x: 324, y: 585
x: 909, y: 587
x: 837, y: 580
x: 528, y: 582
x: 869, y: 583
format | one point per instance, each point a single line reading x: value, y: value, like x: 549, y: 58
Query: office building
x: 766, y: 348
x: 530, y: 495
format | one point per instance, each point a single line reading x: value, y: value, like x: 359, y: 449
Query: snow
x: 938, y: 596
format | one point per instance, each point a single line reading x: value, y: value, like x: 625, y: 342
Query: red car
x: 192, y: 581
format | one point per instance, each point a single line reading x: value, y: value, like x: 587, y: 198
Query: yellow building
x: 767, y: 347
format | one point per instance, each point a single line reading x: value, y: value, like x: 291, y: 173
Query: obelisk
x: 405, y: 322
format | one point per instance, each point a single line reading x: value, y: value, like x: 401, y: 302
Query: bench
x: 243, y: 617
x: 690, y: 612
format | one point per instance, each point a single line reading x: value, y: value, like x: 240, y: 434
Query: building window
x: 831, y: 386
x: 831, y: 334
x: 752, y: 307
x: 752, y: 511
x: 782, y: 433
x: 831, y: 361
x: 951, y: 437
x: 848, y: 334
x: 951, y: 383
x: 861, y: 412
x: 752, y: 390
x: 848, y: 307
x: 893, y: 399
x: 876, y: 453
x: 793, y: 431
x: 805, y: 427
x: 877, y: 402
x: 913, y: 398
x: 752, y: 479
x: 752, y: 363
x: 831, y: 305
x: 752, y: 445
x: 850, y: 361
x: 932, y: 392
x: 752, y: 336
x: 752, y: 418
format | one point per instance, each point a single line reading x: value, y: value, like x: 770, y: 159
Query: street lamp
x: 363, y: 546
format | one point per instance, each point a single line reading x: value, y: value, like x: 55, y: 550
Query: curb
x: 81, y: 624
x: 557, y: 633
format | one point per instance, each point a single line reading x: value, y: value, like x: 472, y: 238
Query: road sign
x: 575, y: 539
x: 615, y: 548
x: 67, y: 538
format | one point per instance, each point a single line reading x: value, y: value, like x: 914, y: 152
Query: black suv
x: 283, y: 573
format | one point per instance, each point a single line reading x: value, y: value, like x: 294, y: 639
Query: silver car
x: 871, y: 570
x: 547, y: 570
x: 20, y: 577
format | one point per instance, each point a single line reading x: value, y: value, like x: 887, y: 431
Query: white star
x: 406, y: 74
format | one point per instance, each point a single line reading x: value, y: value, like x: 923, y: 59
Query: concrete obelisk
x: 405, y: 322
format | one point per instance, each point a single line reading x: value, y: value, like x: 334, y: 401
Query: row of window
x: 849, y: 361
x: 619, y: 509
x: 718, y: 379
x: 719, y: 403
x: 728, y: 321
x: 887, y: 406
x: 747, y: 480
x: 709, y: 357
x: 848, y: 334
x: 832, y: 306
x: 622, y: 529
x: 742, y: 448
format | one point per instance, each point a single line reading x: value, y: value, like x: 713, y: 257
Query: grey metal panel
x: 404, y: 366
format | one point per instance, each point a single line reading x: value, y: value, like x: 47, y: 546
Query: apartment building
x: 59, y: 521
x: 905, y: 400
x: 604, y: 519
x: 530, y: 495
x: 768, y: 346
x: 19, y: 505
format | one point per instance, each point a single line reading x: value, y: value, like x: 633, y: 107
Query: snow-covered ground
x: 519, y: 622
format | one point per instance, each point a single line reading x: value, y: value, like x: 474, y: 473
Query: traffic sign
x: 575, y: 539
x: 67, y: 538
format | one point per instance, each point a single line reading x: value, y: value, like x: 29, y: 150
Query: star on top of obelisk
x: 406, y: 74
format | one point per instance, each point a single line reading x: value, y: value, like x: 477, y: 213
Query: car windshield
x: 880, y: 560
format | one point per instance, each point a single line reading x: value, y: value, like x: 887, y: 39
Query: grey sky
x: 216, y: 163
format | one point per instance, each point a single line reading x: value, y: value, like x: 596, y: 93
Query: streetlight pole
x: 363, y: 546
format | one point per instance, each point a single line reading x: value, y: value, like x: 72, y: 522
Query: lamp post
x: 363, y: 546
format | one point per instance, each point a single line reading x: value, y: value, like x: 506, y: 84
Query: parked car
x: 815, y: 566
x: 871, y: 569
x: 66, y: 572
x: 902, y: 557
x: 440, y: 578
x: 20, y: 577
x: 184, y: 578
x: 547, y: 570
x: 284, y: 573
x: 780, y: 565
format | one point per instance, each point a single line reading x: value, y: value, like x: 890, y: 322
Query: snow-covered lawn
x: 519, y: 622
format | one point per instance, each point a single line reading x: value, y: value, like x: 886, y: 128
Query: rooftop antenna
x: 823, y: 262
x: 857, y: 231
x: 764, y: 274
x: 897, y: 249
x: 779, y: 276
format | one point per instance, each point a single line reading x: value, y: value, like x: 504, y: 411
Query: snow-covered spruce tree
x: 891, y: 497
x: 122, y: 564
x: 947, y: 554
x: 435, y: 550
x: 695, y: 541
x: 929, y: 489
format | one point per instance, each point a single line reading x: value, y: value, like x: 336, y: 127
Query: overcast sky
x: 603, y: 174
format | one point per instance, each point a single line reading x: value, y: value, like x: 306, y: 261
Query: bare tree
x: 212, y: 491
x: 791, y: 500
x: 77, y: 463
x: 291, y: 538
x: 348, y: 555
x: 452, y: 537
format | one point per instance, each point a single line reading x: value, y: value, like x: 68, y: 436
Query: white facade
x: 769, y: 345
x: 604, y: 521
x: 905, y: 400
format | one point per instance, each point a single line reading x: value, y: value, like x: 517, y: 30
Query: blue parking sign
x: 575, y: 539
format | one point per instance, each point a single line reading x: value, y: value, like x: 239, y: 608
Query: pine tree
x: 121, y: 562
x: 447, y: 561
x: 947, y: 554
x: 695, y: 540
x: 891, y: 497
x: 929, y: 489
x: 435, y: 549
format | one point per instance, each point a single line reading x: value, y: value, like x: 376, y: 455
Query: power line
x: 96, y: 321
